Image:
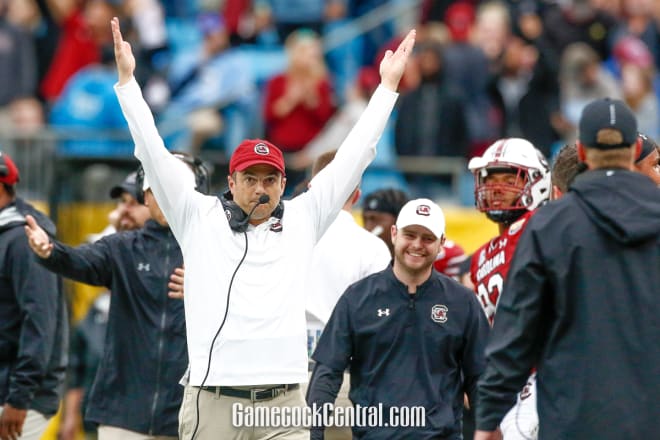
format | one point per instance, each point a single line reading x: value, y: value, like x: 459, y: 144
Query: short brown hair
x: 322, y: 161
x: 565, y: 167
x: 614, y: 158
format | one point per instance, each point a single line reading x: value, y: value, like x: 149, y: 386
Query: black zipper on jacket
x: 161, y: 340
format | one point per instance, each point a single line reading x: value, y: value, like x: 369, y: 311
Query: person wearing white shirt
x: 245, y: 253
x: 345, y: 254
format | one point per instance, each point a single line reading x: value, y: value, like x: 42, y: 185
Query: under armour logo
x: 385, y: 312
x: 143, y: 267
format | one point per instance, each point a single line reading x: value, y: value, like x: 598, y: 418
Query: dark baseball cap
x: 389, y: 201
x: 648, y: 147
x: 607, y: 113
x: 128, y: 186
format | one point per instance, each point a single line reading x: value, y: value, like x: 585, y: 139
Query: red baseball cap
x: 8, y: 170
x: 256, y: 152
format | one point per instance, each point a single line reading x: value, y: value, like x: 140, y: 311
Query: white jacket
x: 263, y: 338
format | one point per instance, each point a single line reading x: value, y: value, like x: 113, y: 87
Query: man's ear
x: 443, y: 239
x: 356, y: 196
x: 638, y: 148
x: 582, y: 155
x: 393, y: 233
x: 231, y: 182
x: 556, y: 192
x: 283, y: 186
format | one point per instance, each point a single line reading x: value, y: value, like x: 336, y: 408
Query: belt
x: 254, y: 394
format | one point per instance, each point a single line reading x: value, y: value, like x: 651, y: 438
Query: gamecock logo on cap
x: 423, y: 210
x: 261, y: 149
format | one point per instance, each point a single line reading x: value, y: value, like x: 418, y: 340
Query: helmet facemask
x: 507, y: 199
x: 523, y: 183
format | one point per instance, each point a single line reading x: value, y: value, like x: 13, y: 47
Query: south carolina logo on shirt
x: 439, y: 313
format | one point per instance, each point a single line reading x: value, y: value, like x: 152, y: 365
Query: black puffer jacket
x: 33, y: 320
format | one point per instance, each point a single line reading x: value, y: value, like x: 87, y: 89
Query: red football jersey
x: 449, y: 259
x: 490, y: 265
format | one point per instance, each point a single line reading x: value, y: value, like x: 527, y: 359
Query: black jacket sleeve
x: 514, y: 344
x: 474, y: 358
x: 37, y: 297
x: 323, y: 388
x: 332, y: 356
x: 89, y: 263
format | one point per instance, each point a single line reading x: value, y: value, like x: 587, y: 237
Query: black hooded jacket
x: 582, y: 304
x: 145, y: 355
x: 33, y: 318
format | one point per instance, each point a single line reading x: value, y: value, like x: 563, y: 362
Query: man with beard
x: 409, y: 336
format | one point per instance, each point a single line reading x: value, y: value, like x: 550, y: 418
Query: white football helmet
x: 531, y: 186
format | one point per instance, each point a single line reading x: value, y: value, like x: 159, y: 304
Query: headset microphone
x: 242, y: 226
x: 264, y: 198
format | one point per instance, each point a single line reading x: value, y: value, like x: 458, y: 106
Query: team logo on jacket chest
x: 439, y: 313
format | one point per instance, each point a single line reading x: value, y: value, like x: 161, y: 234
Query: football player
x: 512, y: 179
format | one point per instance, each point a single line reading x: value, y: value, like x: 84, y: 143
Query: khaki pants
x: 215, y: 418
x: 34, y: 425
x: 113, y: 433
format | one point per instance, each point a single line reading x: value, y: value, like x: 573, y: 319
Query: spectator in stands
x: 338, y: 127
x: 492, y: 31
x: 637, y: 21
x: 638, y: 74
x: 299, y: 102
x: 213, y: 91
x: 148, y: 20
x: 465, y: 66
x: 431, y: 118
x: 87, y: 114
x: 582, y: 79
x: 33, y: 321
x: 576, y: 21
x: 18, y: 70
x: 526, y: 92
x: 84, y: 31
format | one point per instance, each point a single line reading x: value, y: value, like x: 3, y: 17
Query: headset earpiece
x: 236, y: 217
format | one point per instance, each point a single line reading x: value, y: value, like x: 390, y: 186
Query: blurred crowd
x: 218, y: 71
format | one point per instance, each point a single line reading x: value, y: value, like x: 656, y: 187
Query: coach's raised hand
x: 394, y: 63
x: 123, y: 54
